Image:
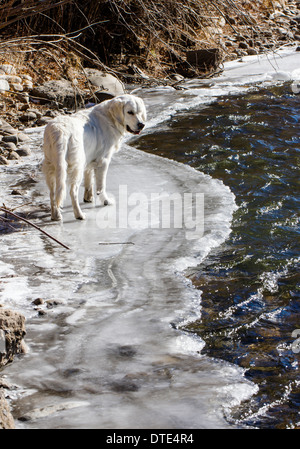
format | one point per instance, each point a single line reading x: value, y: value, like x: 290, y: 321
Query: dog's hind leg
x: 50, y: 176
x: 88, y: 185
x: 75, y: 175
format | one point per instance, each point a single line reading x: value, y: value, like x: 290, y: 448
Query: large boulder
x: 12, y: 332
x: 6, y: 418
x: 59, y: 92
x: 65, y: 94
x: 106, y: 85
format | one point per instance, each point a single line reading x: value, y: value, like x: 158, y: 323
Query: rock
x: 5, y: 127
x: 27, y: 85
x: 17, y: 87
x: 24, y: 151
x: 52, y: 303
x: 204, y: 60
x: 13, y: 155
x: 24, y: 97
x: 15, y: 138
x: 6, y: 418
x: 252, y: 51
x: 29, y: 116
x: 43, y: 120
x: 4, y: 86
x: 8, y: 69
x: 12, y: 325
x: 26, y: 77
x: 108, y: 85
x: 243, y: 45
x: 41, y: 312
x: 51, y: 113
x: 59, y: 92
x: 35, y: 111
x: 175, y: 77
x: 8, y: 146
x: 3, y: 160
x: 13, y: 79
x: 38, y: 301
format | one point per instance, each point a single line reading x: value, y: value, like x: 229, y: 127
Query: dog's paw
x: 90, y: 200
x: 56, y: 216
x: 80, y: 216
x: 88, y: 196
x: 105, y: 200
x: 108, y: 202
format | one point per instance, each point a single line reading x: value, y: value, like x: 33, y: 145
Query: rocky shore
x: 28, y: 101
x: 12, y: 333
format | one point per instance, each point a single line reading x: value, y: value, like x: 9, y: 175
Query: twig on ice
x: 32, y: 224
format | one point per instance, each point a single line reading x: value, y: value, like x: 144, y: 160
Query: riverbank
x: 26, y: 80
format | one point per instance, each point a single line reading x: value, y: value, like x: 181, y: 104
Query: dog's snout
x: 141, y: 125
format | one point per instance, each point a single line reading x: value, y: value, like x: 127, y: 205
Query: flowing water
x: 250, y: 284
x: 125, y: 339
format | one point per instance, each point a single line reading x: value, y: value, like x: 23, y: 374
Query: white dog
x: 83, y: 144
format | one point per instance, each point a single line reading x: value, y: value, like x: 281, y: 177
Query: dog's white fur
x: 82, y: 144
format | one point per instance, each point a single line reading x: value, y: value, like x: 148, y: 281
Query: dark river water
x: 249, y: 284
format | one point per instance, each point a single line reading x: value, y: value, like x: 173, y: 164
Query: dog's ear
x: 116, y: 110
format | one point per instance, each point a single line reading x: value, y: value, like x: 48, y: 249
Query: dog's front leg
x: 101, y: 173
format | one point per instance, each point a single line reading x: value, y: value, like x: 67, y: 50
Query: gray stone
x: 4, y: 86
x: 12, y: 326
x: 105, y: 82
x: 9, y: 69
x: 6, y: 418
x: 59, y: 92
x: 12, y: 138
x: 16, y: 192
x: 24, y: 97
x: 28, y: 116
x: 3, y: 160
x: 243, y: 45
x: 8, y: 146
x: 38, y: 301
x: 17, y: 87
x: 107, y: 85
x: 43, y: 120
x: 252, y: 51
x: 24, y: 151
x: 13, y: 155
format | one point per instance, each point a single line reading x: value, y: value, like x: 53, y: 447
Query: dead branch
x: 7, y: 211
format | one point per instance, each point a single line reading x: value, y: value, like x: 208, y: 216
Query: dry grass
x: 154, y: 35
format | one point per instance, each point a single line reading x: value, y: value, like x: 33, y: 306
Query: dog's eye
x: 131, y: 112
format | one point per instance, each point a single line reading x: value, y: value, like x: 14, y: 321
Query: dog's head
x: 128, y: 111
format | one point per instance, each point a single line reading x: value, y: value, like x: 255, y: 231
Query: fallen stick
x: 115, y: 243
x: 32, y: 224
